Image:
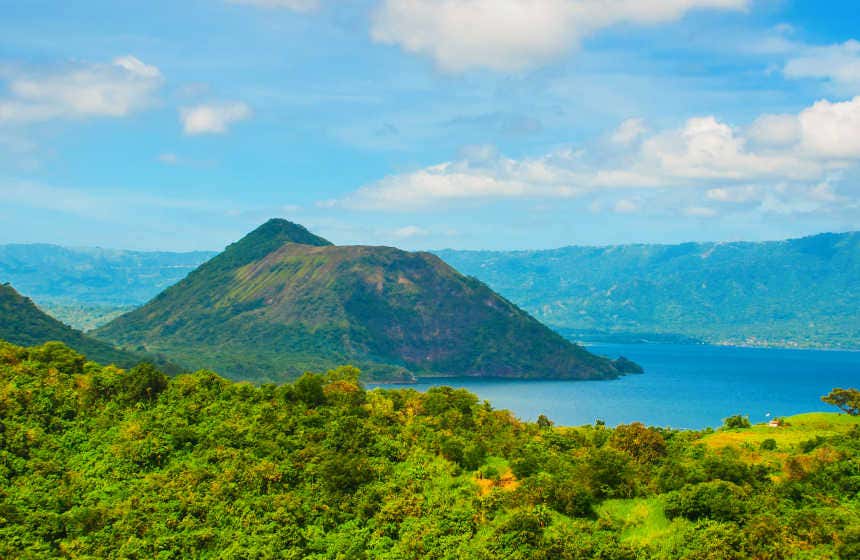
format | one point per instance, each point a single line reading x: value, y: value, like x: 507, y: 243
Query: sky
x: 428, y: 124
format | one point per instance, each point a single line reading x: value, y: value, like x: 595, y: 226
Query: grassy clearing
x: 798, y: 429
x: 641, y: 520
x: 495, y: 473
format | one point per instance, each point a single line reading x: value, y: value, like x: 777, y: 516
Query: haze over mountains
x: 803, y: 292
x: 282, y: 301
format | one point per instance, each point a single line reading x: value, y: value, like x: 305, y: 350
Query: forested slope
x: 98, y: 462
x: 798, y: 292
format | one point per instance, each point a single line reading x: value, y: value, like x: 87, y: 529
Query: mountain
x: 22, y: 323
x: 85, y: 287
x: 283, y: 301
x: 798, y: 292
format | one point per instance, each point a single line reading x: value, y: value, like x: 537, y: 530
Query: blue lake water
x: 684, y: 386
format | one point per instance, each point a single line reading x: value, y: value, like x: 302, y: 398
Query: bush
x: 736, y: 422
x: 142, y: 383
x: 768, y: 445
x: 718, y: 500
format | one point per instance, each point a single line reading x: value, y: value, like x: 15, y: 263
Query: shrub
x: 736, y: 422
x: 718, y: 500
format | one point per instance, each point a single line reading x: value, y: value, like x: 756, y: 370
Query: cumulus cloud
x: 295, y: 5
x: 837, y: 64
x: 832, y: 130
x: 212, y: 118
x: 775, y: 130
x: 124, y: 86
x: 461, y: 181
x: 781, y: 163
x: 510, y: 35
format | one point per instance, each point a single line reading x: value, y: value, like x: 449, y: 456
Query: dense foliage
x: 846, y: 399
x: 98, y: 462
x: 282, y: 301
x: 21, y: 322
x: 802, y: 292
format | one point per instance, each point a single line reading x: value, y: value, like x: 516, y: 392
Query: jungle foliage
x: 101, y: 462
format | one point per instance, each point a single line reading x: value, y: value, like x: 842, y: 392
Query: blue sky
x: 428, y: 123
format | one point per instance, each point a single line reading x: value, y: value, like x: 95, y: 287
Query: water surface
x: 684, y: 386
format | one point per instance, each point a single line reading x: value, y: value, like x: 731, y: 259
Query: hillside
x: 106, y: 463
x: 799, y: 292
x: 21, y: 322
x: 85, y: 287
x: 282, y: 301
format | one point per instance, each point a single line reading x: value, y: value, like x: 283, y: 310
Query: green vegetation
x: 800, y: 292
x: 21, y: 322
x: 282, y: 301
x: 100, y: 462
x: 82, y: 316
x: 846, y: 399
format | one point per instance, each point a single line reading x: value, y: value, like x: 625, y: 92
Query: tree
x: 736, y: 422
x: 846, y: 399
x: 645, y: 445
x: 143, y: 382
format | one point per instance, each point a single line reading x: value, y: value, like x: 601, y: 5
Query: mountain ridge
x: 295, y: 306
x: 794, y: 292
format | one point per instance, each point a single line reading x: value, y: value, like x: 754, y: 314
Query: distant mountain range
x: 86, y: 287
x: 283, y: 301
x: 799, y: 292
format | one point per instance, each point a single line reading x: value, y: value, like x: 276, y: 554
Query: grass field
x: 642, y: 519
x: 797, y: 430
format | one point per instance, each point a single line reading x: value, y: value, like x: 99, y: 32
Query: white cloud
x: 461, y: 181
x: 296, y: 5
x: 510, y: 35
x: 706, y: 148
x: 741, y: 194
x: 212, y: 118
x: 629, y: 131
x: 775, y: 130
x: 781, y: 163
x: 407, y: 232
x: 838, y: 64
x: 120, y: 88
x: 832, y: 130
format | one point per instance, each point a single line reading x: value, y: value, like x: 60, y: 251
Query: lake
x: 684, y: 386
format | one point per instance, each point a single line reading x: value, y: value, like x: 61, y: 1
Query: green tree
x: 846, y: 399
x: 736, y: 422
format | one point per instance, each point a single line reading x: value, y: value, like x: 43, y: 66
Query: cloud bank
x: 781, y: 163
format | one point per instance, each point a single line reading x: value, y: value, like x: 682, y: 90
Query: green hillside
x: 282, y: 301
x: 21, y: 322
x: 97, y: 462
x: 799, y: 292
